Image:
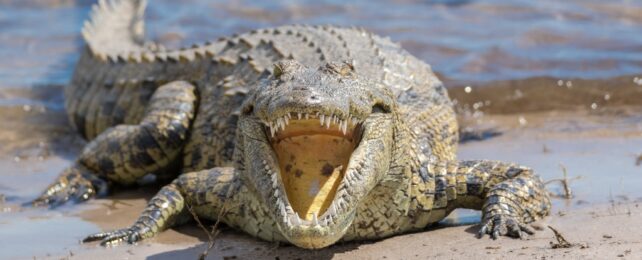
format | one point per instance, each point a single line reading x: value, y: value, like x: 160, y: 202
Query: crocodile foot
x: 130, y: 235
x: 75, y: 184
x: 504, y: 225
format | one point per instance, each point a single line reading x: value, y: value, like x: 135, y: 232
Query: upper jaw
x: 341, y: 120
x: 369, y: 159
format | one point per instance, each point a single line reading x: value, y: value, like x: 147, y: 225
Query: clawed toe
x: 74, y: 185
x: 113, y: 238
x: 74, y: 193
x: 501, y: 225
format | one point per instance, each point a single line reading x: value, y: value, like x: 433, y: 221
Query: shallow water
x: 516, y: 52
x: 465, y: 40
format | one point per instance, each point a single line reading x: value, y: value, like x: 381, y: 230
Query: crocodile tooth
x: 331, y: 210
x: 135, y: 57
x: 161, y: 56
x: 276, y: 192
x: 349, y: 178
x: 327, y: 123
x: 307, y: 116
x: 149, y: 57
x: 283, y: 213
x: 294, y: 218
x: 299, y: 115
x: 89, y: 27
x: 341, y: 203
x: 287, y: 120
x: 275, y: 181
x: 209, y: 53
x: 315, y: 220
x: 321, y: 119
x: 345, y: 127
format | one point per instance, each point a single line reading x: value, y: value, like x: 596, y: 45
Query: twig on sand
x: 211, y: 235
x: 561, y: 241
x: 568, y: 194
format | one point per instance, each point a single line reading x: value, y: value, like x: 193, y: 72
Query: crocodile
x: 306, y: 135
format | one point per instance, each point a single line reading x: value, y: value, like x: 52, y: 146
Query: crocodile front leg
x: 124, y: 153
x: 510, y: 196
x: 206, y: 192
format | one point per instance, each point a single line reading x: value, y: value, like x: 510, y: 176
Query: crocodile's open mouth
x: 313, y: 152
x: 313, y: 170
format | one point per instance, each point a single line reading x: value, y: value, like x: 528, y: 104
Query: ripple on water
x: 463, y: 40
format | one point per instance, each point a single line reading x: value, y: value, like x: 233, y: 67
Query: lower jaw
x: 316, y: 237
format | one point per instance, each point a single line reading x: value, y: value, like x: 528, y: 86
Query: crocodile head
x: 315, y: 142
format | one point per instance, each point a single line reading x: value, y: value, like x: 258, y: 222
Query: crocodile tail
x: 115, y: 28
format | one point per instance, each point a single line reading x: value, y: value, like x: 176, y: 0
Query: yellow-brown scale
x: 312, y: 160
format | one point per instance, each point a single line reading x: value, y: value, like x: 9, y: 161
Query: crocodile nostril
x: 247, y: 110
x: 379, y: 108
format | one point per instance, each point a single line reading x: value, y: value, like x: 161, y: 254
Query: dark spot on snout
x: 298, y: 173
x: 288, y: 168
x: 327, y: 170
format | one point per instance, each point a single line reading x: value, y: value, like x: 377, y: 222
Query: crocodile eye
x: 379, y: 108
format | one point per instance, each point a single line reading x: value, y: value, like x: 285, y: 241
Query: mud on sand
x: 602, y: 220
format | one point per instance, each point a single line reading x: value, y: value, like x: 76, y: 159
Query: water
x: 468, y: 41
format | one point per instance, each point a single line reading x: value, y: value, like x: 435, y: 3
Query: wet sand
x: 600, y: 146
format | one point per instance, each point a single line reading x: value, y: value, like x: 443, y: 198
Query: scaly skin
x: 214, y: 113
